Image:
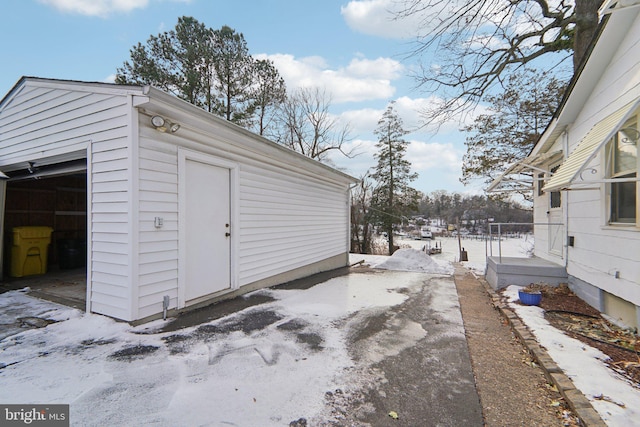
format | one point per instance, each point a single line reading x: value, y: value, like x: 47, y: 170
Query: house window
x: 623, y: 163
x: 555, y: 200
x: 540, y: 183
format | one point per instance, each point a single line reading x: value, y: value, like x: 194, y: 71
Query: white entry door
x: 556, y: 232
x: 207, y: 220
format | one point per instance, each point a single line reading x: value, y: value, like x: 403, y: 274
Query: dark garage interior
x: 60, y: 203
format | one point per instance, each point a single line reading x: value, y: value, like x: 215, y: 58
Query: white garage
x: 173, y: 206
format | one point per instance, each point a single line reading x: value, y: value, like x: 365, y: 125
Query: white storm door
x: 207, y: 222
x: 556, y: 232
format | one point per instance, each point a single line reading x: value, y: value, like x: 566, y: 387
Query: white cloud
x: 361, y: 80
x: 383, y: 17
x: 427, y: 156
x: 386, y: 68
x: 111, y: 78
x: 362, y: 121
x: 377, y: 17
x: 100, y: 8
x: 432, y: 160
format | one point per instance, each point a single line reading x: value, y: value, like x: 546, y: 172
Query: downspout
x: 3, y: 196
x: 565, y: 210
x: 349, y: 190
x: 89, y: 225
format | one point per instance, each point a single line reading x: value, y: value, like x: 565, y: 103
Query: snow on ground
x: 232, y: 371
x: 476, y: 248
x: 612, y: 396
x: 271, y: 373
x: 414, y: 260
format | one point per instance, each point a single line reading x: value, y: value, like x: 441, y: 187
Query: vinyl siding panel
x: 63, y: 120
x: 286, y: 218
x: 601, y: 249
x: 287, y: 221
x: 158, y: 197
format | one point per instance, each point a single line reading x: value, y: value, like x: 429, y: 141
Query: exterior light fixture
x: 157, y: 121
x: 161, y: 124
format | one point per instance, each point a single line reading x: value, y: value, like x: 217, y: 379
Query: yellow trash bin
x: 29, y: 250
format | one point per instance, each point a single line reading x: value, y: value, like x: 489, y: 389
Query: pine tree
x: 392, y: 198
x: 208, y: 68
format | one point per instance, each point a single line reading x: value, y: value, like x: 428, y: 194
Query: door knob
x: 227, y: 234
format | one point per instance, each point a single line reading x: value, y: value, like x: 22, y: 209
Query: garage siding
x: 44, y: 120
x: 158, y: 247
x: 287, y: 217
x: 287, y: 221
x: 288, y: 212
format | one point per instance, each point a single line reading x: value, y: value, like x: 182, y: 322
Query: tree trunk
x: 390, y: 239
x: 586, y: 27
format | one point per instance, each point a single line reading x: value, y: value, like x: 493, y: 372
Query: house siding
x: 603, y: 263
x: 601, y: 250
x: 158, y: 194
x: 287, y: 222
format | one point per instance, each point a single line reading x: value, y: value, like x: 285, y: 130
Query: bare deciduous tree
x: 477, y: 43
x: 361, y: 227
x: 306, y: 126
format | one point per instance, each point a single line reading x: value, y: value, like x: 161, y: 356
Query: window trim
x: 611, y: 149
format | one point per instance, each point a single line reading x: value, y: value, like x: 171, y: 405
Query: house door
x: 556, y: 232
x: 556, y: 229
x: 207, y: 219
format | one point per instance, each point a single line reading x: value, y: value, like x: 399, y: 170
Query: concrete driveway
x: 416, y: 358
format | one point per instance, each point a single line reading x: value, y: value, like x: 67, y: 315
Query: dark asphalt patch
x: 134, y: 352
x: 247, y: 323
x: 293, y: 325
x: 91, y: 343
x: 314, y: 341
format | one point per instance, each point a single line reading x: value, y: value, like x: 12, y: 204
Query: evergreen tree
x: 392, y: 198
x: 515, y: 120
x: 210, y: 69
x: 234, y: 72
x: 177, y: 61
x: 269, y: 92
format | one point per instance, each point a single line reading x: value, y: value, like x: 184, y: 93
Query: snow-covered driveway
x: 269, y: 364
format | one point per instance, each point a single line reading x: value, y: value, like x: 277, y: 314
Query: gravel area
x: 513, y: 390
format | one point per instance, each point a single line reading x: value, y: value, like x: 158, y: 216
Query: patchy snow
x: 227, y: 372
x: 415, y: 260
x: 476, y: 248
x: 266, y: 373
x: 619, y: 402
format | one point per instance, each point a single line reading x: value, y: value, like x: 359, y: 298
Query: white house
x: 176, y: 206
x: 585, y: 172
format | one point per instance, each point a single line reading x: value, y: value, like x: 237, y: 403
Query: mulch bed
x: 567, y: 312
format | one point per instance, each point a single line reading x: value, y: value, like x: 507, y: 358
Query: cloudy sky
x: 352, y: 49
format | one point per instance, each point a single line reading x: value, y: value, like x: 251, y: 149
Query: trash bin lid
x: 33, y: 232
